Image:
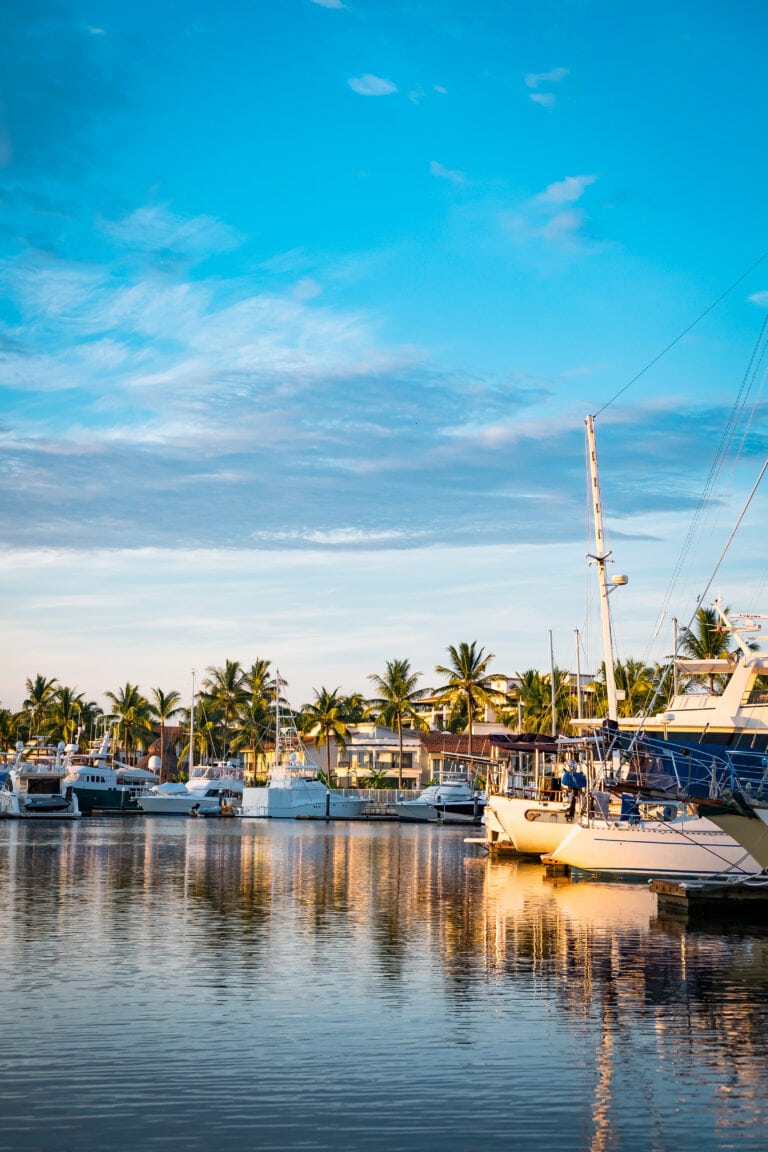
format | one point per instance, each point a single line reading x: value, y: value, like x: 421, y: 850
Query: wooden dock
x: 742, y: 901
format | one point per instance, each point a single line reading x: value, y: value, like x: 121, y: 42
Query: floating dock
x: 731, y: 901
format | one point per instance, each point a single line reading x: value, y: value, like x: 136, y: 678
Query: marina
x: 369, y: 782
x: 338, y: 975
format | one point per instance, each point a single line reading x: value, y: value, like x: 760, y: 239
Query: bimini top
x: 525, y: 742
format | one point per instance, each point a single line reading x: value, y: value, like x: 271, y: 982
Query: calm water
x: 182, y: 984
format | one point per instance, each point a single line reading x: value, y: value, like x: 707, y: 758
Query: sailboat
x: 294, y: 790
x: 535, y: 791
x: 662, y: 836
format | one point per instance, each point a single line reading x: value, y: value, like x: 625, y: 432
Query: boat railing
x: 687, y: 772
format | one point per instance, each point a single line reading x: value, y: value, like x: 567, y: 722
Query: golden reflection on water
x: 656, y: 1009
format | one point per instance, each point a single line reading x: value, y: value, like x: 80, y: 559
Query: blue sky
x: 304, y: 304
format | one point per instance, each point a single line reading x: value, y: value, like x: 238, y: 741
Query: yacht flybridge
x: 719, y: 701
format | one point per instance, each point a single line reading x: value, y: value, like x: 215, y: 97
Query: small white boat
x: 452, y: 801
x: 33, y: 786
x: 294, y: 790
x: 213, y: 790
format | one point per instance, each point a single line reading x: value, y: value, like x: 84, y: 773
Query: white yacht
x: 212, y: 790
x: 294, y: 790
x: 32, y: 786
x: 451, y: 801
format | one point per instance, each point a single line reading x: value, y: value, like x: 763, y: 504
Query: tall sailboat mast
x: 192, y: 730
x: 600, y: 557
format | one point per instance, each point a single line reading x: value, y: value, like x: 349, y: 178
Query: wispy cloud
x: 443, y: 173
x: 369, y: 85
x: 565, y: 191
x: 328, y: 3
x: 157, y: 230
x: 553, y: 215
x: 759, y: 298
x: 536, y: 79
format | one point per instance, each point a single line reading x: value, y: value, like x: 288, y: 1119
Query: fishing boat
x: 294, y: 789
x: 104, y: 785
x: 453, y: 800
x: 33, y: 787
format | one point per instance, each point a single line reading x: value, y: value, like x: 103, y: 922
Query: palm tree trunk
x: 399, y: 750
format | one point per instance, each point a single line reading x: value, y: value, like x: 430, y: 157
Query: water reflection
x: 343, y: 977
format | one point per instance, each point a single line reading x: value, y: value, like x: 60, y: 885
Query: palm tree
x: 40, y: 695
x: 535, y: 696
x: 226, y: 687
x: 204, y: 734
x: 8, y: 727
x: 356, y: 708
x: 324, y: 718
x: 255, y: 721
x: 65, y: 715
x: 468, y: 681
x: 635, y: 682
x: 708, y: 639
x: 134, y: 713
x: 258, y: 679
x: 163, y: 706
x: 397, y: 695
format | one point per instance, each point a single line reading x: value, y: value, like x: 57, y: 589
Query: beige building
x: 426, y: 755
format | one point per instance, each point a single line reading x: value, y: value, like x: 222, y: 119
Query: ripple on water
x: 203, y: 984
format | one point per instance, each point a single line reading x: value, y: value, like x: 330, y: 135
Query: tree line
x: 234, y: 707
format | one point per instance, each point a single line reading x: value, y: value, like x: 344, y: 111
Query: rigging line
x: 736, y: 527
x: 684, y: 333
x: 726, y: 439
